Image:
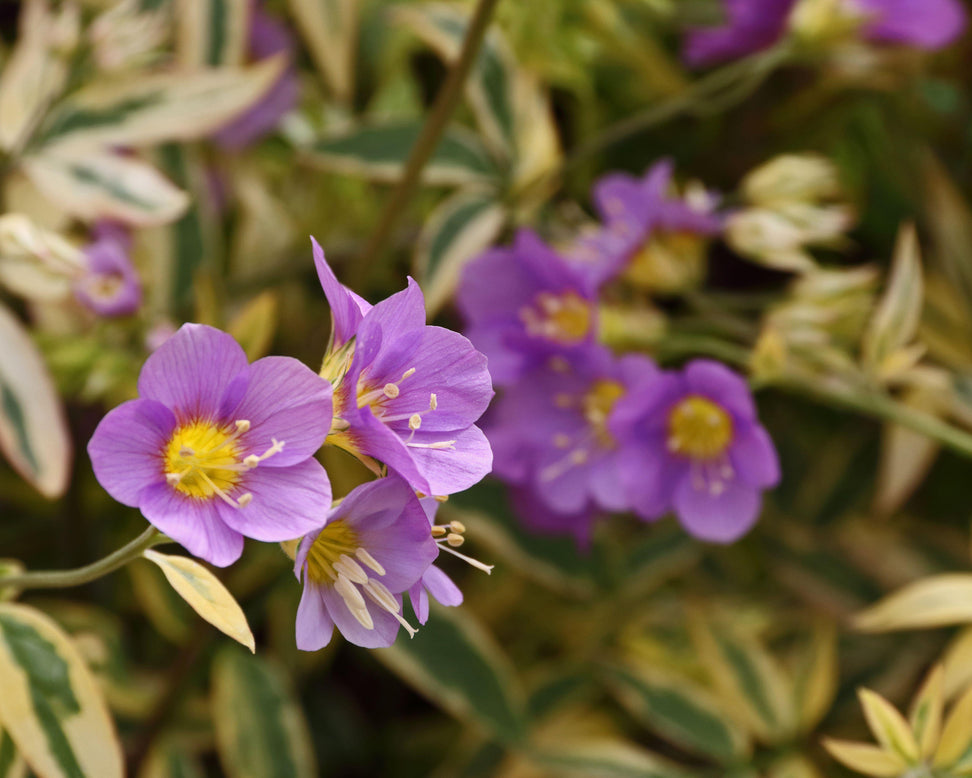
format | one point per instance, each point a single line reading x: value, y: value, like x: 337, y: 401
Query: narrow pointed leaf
x: 816, y: 685
x: 254, y: 326
x: 210, y: 33
x: 207, y: 596
x: 865, y: 758
x: 330, y: 29
x: 606, y: 758
x: 51, y: 705
x: 11, y: 763
x: 925, y: 716
x: 888, y: 726
x: 957, y: 732
x: 935, y: 601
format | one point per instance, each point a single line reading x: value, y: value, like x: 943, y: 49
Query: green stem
x: 62, y: 579
x: 425, y: 144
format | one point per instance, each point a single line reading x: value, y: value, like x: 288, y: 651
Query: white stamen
x: 408, y: 373
x: 474, y: 562
x: 173, y: 478
x: 381, y: 595
x: 355, y: 602
x: 253, y: 460
x: 439, y: 532
x: 440, y: 445
x: 346, y: 566
x: 368, y: 559
x: 244, y: 499
x: 242, y: 425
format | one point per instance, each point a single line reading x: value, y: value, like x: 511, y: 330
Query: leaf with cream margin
x: 35, y: 263
x: 895, y: 321
x: 261, y: 731
x: 206, y: 594
x: 33, y: 430
x: 957, y: 660
x: 817, y: 677
x: 330, y: 30
x: 935, y: 601
x: 32, y: 76
x: 93, y: 184
x: 956, y: 734
x: 51, y: 705
x: 925, y: 715
x: 210, y: 33
x: 460, y: 227
x: 865, y: 758
x: 605, y: 758
x: 12, y: 764
x: 153, y: 109
x: 888, y: 726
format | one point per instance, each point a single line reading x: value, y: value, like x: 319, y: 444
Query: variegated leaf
x: 33, y: 430
x: 206, y: 594
x: 794, y: 767
x: 330, y: 29
x: 260, y: 729
x: 210, y: 33
x: 35, y: 263
x: 956, y: 733
x: 958, y: 663
x: 935, y: 601
x: 51, y: 705
x: 816, y: 681
x: 866, y: 758
x: 460, y: 228
x: 606, y: 758
x: 379, y: 153
x: 12, y: 764
x: 255, y: 324
x: 165, y: 107
x: 97, y: 184
x: 925, y: 715
x: 888, y: 726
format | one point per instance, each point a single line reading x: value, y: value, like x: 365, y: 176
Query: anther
x: 433, y: 402
x: 244, y: 499
x: 173, y: 478
x: 560, y: 440
x: 345, y: 565
x: 242, y: 425
x: 438, y: 532
x: 455, y: 540
x: 369, y: 560
x: 408, y: 373
x: 391, y: 391
x: 441, y: 498
x: 457, y: 526
x: 414, y: 421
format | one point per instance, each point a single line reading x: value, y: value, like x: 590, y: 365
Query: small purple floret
x: 111, y: 286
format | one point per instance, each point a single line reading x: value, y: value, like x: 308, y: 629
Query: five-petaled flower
x: 695, y: 445
x: 215, y: 448
x: 111, y: 286
x: 405, y: 394
x: 376, y: 544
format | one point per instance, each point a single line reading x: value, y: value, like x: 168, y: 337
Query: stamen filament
x: 362, y: 553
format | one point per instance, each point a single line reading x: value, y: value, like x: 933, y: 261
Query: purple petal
x: 109, y: 268
x: 505, y: 365
x: 717, y: 518
x: 494, y: 284
x: 288, y: 502
x: 753, y: 457
x: 721, y: 385
x: 539, y: 518
x: 376, y: 440
x: 126, y: 447
x: 419, y: 598
x: 442, y: 588
x: 263, y: 117
x: 385, y: 625
x: 347, y: 308
x: 314, y: 625
x: 619, y: 197
x: 403, y: 311
x: 448, y: 471
x: 752, y: 25
x: 192, y: 371
x: 286, y: 401
x: 926, y: 24
x: 193, y: 523
x: 606, y: 487
x: 649, y: 477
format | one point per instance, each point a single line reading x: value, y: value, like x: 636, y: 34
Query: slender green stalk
x: 445, y: 104
x: 62, y: 579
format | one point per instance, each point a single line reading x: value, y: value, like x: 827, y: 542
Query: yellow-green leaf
x: 925, y: 716
x: 816, y: 685
x: 33, y: 431
x: 260, y: 729
x: 330, y: 29
x: 91, y: 184
x: 606, y: 758
x: 207, y: 596
x: 957, y: 732
x: 50, y: 704
x: 794, y: 767
x: 888, y: 726
x: 865, y: 758
x: 12, y: 764
x: 935, y: 601
x: 254, y: 326
x: 958, y: 664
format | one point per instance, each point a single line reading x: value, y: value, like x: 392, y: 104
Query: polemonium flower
x: 656, y: 239
x: 268, y: 37
x: 375, y: 545
x: 405, y: 394
x: 523, y: 304
x: 751, y: 25
x: 110, y: 285
x: 215, y: 449
x: 537, y: 516
x: 551, y: 432
x: 694, y: 444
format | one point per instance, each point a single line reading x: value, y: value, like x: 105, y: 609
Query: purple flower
x: 375, y: 545
x: 216, y: 449
x: 552, y: 437
x: 110, y: 287
x: 658, y: 241
x: 694, y: 444
x: 405, y: 394
x: 268, y: 37
x: 523, y: 304
x: 754, y: 25
x: 537, y: 517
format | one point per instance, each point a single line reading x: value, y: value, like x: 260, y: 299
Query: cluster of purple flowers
x: 216, y: 449
x: 753, y: 25
x: 580, y: 431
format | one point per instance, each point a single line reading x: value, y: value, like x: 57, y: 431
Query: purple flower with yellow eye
x: 110, y: 287
x: 375, y: 545
x: 653, y: 238
x: 216, y: 449
x: 696, y: 446
x: 405, y: 394
x: 551, y: 432
x: 523, y: 304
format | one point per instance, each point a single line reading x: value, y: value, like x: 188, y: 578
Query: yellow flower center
x: 597, y: 404
x: 699, y: 429
x: 202, y: 459
x: 564, y: 318
x: 669, y: 262
x: 335, y: 539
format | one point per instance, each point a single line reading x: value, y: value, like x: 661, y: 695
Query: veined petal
x: 192, y: 371
x: 448, y: 471
x: 721, y: 517
x: 442, y: 588
x: 314, y: 625
x: 401, y: 312
x: 287, y: 502
x: 385, y: 625
x: 376, y: 440
x: 419, y: 597
x: 347, y: 308
x: 125, y: 448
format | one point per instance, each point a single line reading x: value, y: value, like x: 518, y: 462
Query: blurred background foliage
x: 651, y: 654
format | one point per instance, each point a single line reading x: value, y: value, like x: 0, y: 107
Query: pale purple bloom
x: 523, y: 304
x: 695, y: 445
x: 267, y: 38
x: 637, y: 214
x: 216, y: 449
x: 552, y: 437
x: 537, y: 516
x: 111, y: 286
x: 375, y: 545
x: 405, y: 394
x: 753, y: 25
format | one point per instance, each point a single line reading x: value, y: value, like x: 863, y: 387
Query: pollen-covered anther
x: 433, y: 402
x: 439, y: 531
x: 414, y: 421
x: 364, y: 555
x: 391, y: 391
x: 560, y: 440
x: 455, y: 540
x: 457, y: 526
x: 244, y: 499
